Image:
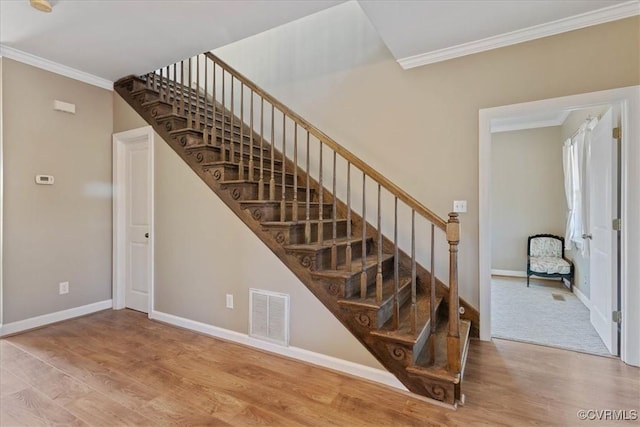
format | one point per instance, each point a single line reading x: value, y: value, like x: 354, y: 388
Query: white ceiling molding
x: 54, y: 67
x: 600, y: 16
x: 534, y: 121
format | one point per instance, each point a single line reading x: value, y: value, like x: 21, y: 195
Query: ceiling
x: 114, y: 38
x: 442, y: 29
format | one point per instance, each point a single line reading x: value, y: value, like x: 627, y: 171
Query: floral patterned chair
x: 545, y: 258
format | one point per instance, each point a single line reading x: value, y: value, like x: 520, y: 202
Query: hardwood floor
x: 118, y: 368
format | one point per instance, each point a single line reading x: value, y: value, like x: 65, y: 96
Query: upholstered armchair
x: 545, y: 258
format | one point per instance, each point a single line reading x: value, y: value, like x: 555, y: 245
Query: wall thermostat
x: 44, y: 179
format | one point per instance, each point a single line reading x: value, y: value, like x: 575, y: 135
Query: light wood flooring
x: 118, y: 368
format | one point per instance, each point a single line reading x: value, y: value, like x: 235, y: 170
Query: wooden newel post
x: 453, y: 337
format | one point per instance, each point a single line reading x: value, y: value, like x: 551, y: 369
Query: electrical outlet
x: 460, y: 206
x: 64, y: 288
x: 229, y: 300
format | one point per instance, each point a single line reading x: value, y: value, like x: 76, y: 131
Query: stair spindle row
x: 198, y: 102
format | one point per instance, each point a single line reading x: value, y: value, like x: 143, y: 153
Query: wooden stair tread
x: 438, y: 368
x: 266, y: 184
x: 300, y: 222
x: 403, y: 333
x: 236, y: 150
x: 256, y: 168
x: 327, y: 243
x: 388, y: 288
x: 356, y: 267
x: 258, y: 203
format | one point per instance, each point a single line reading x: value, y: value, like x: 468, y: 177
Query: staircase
x: 305, y: 197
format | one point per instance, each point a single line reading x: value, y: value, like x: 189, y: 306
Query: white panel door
x: 138, y: 259
x: 603, y: 246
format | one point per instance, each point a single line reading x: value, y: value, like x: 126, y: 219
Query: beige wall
x: 61, y: 232
x: 527, y: 192
x: 203, y: 251
x: 420, y: 127
x: 1, y: 187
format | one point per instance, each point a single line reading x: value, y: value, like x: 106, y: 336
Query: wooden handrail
x: 339, y: 149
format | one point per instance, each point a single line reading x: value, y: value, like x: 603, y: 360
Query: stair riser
x: 134, y: 84
x: 407, y: 354
x: 321, y: 259
x: 230, y: 172
x: 158, y: 108
x: 342, y: 287
x: 352, y: 285
x: 146, y: 95
x: 437, y: 390
x: 190, y: 138
x: 272, y: 213
x: 249, y: 191
x: 295, y: 234
x: 373, y: 318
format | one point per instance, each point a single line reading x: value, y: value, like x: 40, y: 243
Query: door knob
x: 146, y: 235
x: 587, y: 236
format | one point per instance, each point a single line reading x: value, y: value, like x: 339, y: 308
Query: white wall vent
x: 269, y: 316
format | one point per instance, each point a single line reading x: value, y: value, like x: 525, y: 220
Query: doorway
x: 533, y: 185
x: 628, y: 101
x: 133, y: 219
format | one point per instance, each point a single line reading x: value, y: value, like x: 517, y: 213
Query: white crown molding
x: 58, y: 316
x: 600, y: 16
x: 54, y: 67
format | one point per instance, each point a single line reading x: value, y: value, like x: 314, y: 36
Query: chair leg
x: 527, y: 280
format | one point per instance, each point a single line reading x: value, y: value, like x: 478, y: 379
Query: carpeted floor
x: 546, y: 313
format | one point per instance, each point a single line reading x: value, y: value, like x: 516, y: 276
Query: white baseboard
x: 351, y: 368
x: 508, y: 273
x: 582, y: 297
x: 46, y: 319
x: 516, y: 273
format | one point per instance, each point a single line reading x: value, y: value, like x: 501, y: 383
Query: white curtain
x: 575, y: 161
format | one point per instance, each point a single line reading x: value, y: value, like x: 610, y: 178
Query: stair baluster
x: 432, y: 300
x: 182, y: 109
x: 174, y: 104
x: 261, y: 180
x: 396, y: 270
x: 241, y: 161
x: 363, y: 275
x: 214, y: 129
x: 223, y: 141
x: 232, y: 114
x: 307, y: 215
x: 272, y: 181
x: 294, y: 209
x: 283, y: 202
x: 379, y: 267
x: 348, y: 254
x: 320, y: 198
x: 197, y: 93
x: 414, y: 296
x: 161, y: 92
x: 189, y: 91
x: 206, y: 96
x: 251, y: 165
x: 334, y: 245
